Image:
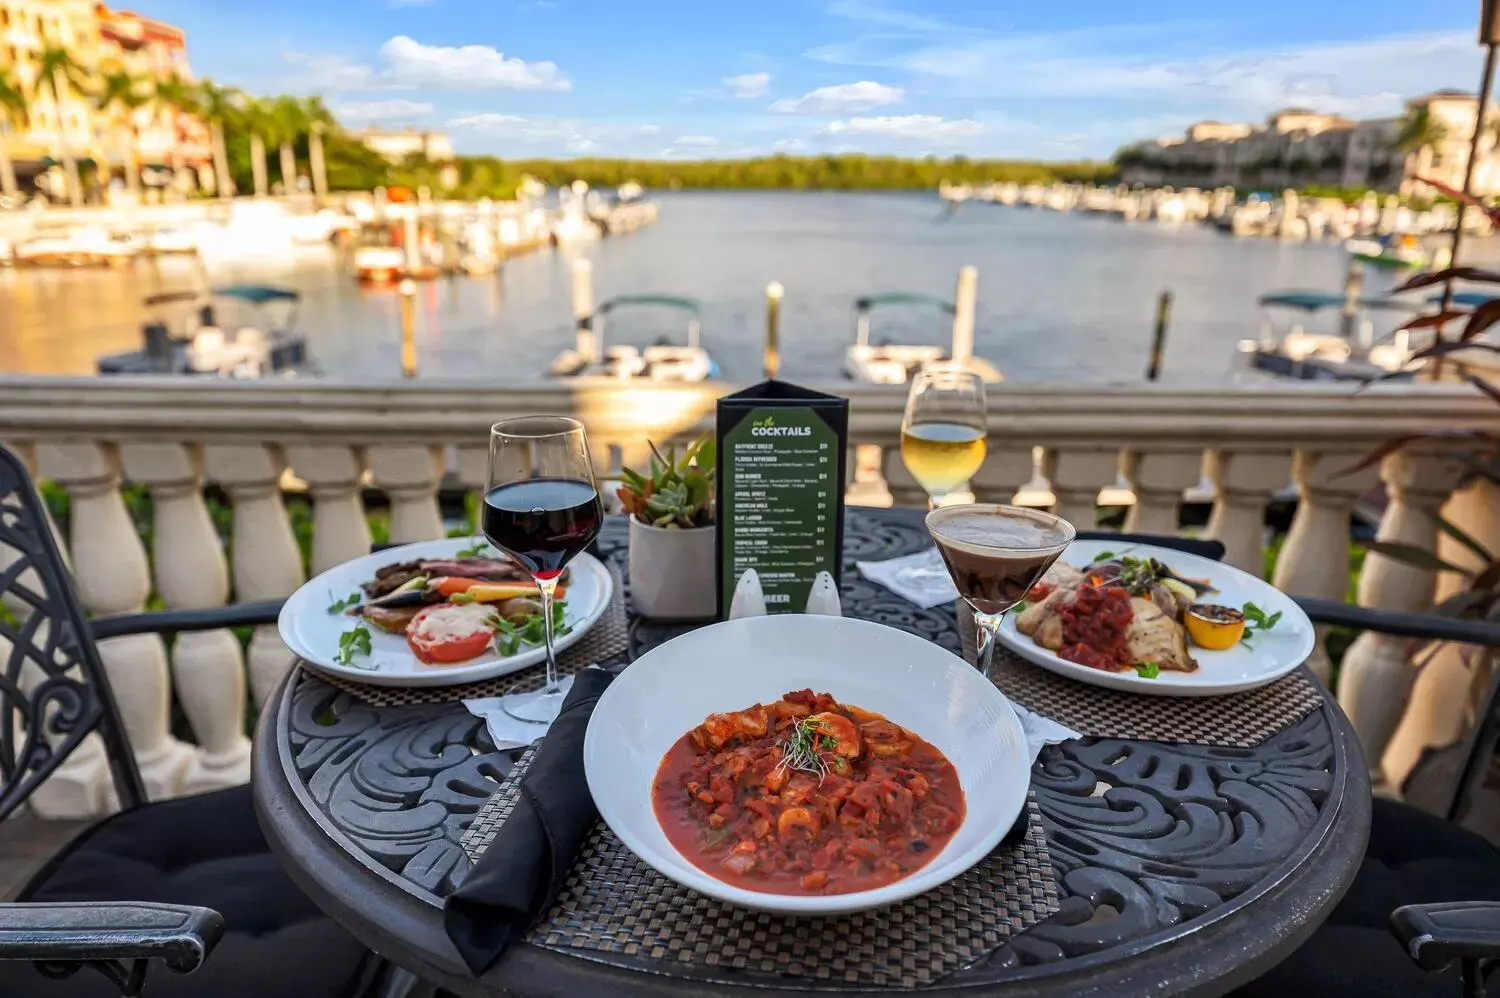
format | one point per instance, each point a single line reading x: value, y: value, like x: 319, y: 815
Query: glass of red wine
x: 541, y: 509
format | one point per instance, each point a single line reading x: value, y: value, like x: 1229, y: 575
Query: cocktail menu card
x: 781, y: 491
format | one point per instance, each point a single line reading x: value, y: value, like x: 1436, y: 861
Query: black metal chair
x: 168, y: 881
x: 1432, y: 883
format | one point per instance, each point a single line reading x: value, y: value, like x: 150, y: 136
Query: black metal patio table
x: 1183, y: 869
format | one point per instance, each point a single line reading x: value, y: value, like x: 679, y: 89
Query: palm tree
x: 61, y: 75
x: 1420, y: 133
x: 320, y: 122
x: 14, y: 104
x: 119, y: 96
x: 175, y: 96
x: 288, y: 121
x: 220, y: 108
x: 254, y: 114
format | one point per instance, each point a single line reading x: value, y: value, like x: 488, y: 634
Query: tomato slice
x: 446, y: 633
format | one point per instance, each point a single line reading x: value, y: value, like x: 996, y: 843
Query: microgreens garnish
x: 479, y: 549
x: 353, y: 642
x: 1256, y: 620
x: 802, y: 748
x: 340, y: 605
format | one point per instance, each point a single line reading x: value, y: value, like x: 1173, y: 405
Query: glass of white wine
x: 942, y: 445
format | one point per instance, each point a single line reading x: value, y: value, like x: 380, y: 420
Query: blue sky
x: 1022, y: 78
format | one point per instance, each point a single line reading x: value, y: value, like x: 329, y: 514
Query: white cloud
x: 913, y: 127
x: 842, y: 99
x: 648, y: 130
x: 748, y: 85
x: 696, y: 141
x: 466, y: 67
x: 788, y: 145
x: 319, y: 73
x: 398, y: 108
x: 407, y: 64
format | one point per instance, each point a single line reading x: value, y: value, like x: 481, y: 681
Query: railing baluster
x: 410, y: 475
x: 1159, y: 479
x: 1244, y: 483
x: 266, y: 561
x: 1375, y: 677
x: 334, y: 476
x: 1315, y: 559
x: 1004, y: 472
x: 207, y: 666
x: 1077, y: 477
x: 111, y: 576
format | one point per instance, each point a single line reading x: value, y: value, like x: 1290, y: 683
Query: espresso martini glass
x: 995, y: 554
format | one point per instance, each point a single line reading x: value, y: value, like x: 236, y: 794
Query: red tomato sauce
x: 877, y: 804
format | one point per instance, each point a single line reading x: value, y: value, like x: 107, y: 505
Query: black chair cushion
x: 205, y: 850
x: 1413, y: 858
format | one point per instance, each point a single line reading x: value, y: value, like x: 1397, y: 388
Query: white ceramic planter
x: 672, y: 572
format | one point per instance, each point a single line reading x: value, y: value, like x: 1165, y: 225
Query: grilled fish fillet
x: 1155, y: 637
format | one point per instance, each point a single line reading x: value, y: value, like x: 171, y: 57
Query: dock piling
x: 583, y: 310
x: 771, y: 362
x: 408, y: 296
x: 964, y: 299
x: 1159, y: 336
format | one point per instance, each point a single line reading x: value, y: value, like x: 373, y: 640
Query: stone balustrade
x: 338, y: 444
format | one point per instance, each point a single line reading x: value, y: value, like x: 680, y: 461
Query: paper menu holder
x: 782, y: 451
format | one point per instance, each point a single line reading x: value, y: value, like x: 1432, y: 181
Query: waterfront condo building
x: 63, y: 119
x: 1299, y: 147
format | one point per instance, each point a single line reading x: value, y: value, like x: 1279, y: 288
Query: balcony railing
x: 251, y: 442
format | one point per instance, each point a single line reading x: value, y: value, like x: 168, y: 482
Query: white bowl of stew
x: 807, y: 765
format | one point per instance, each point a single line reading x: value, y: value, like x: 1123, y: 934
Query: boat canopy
x: 864, y: 303
x: 666, y: 301
x: 1469, y: 299
x: 257, y: 294
x: 682, y: 304
x: 1312, y: 301
x: 867, y: 302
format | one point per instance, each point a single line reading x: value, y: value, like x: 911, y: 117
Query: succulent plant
x: 678, y: 492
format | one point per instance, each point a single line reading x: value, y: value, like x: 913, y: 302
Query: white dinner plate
x: 313, y: 633
x: 1272, y: 655
x: 731, y: 665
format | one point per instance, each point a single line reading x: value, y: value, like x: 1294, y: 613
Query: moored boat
x: 265, y: 348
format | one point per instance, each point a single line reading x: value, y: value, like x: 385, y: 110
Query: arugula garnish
x: 1147, y: 670
x: 353, y: 642
x: 477, y: 550
x: 340, y: 605
x: 1021, y: 607
x: 1256, y: 621
x: 1101, y: 556
x: 510, y: 637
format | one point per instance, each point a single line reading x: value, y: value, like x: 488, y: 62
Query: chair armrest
x: 1429, y: 626
x: 161, y: 621
x: 1212, y: 550
x: 115, y: 938
x: 1437, y: 934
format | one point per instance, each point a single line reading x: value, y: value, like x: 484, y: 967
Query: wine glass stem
x: 984, y: 640
x: 548, y: 588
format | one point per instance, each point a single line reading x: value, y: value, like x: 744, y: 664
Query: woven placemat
x: 609, y: 637
x: 1242, y: 720
x: 614, y: 903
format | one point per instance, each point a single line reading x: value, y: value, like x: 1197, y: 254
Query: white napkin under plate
x: 938, y: 591
x: 1041, y: 730
x: 509, y: 732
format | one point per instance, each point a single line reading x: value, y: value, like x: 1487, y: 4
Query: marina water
x: 1062, y: 297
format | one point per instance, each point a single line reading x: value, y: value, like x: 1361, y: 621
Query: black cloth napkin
x: 519, y: 876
